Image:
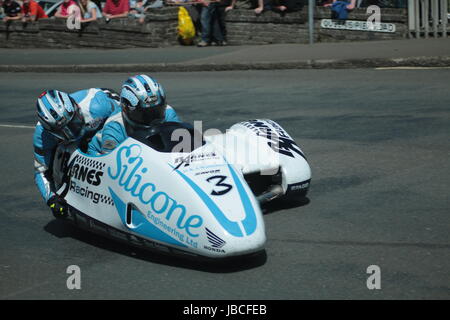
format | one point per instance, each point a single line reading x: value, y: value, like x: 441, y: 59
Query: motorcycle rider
x: 143, y: 103
x: 69, y: 120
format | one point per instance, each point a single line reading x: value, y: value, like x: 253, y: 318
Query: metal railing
x: 427, y: 18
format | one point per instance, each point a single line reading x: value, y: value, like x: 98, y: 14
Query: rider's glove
x: 58, y: 206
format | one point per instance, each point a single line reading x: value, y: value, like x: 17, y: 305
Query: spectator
x: 325, y: 3
x: 287, y: 5
x: 154, y: 4
x: 279, y: 6
x: 222, y: 8
x: 263, y: 5
x: 32, y: 11
x: 340, y: 9
x: 2, y: 11
x: 282, y: 6
x: 12, y: 10
x: 213, y: 22
x: 350, y: 4
x: 137, y: 10
x: 63, y: 10
x: 116, y: 9
x: 89, y: 11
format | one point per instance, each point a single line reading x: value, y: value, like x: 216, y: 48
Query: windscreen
x: 170, y: 137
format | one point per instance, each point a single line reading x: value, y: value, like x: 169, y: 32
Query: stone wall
x: 399, y: 17
x: 160, y: 29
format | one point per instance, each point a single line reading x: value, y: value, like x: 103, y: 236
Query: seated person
x: 11, y: 10
x: 32, y: 11
x: 65, y: 9
x: 154, y: 4
x: 340, y: 9
x: 282, y: 6
x: 263, y: 5
x: 288, y: 5
x: 137, y: 10
x: 143, y: 103
x: 89, y: 11
x: 116, y: 9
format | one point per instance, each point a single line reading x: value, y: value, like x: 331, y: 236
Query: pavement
x: 370, y: 54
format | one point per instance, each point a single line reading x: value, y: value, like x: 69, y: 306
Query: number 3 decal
x: 227, y: 187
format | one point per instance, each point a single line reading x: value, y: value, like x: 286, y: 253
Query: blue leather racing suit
x: 114, y: 133
x: 96, y: 106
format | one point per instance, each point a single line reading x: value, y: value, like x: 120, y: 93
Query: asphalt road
x: 378, y: 145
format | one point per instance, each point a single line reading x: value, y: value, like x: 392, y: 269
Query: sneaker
x: 202, y: 44
x: 221, y: 43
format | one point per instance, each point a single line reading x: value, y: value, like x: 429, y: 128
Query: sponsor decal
x: 136, y: 221
x: 95, y: 197
x: 130, y: 175
x: 298, y: 187
x: 279, y: 140
x: 214, y: 249
x: 89, y: 162
x: 207, y: 167
x: 214, y: 239
x: 157, y: 221
x: 207, y: 172
x: 186, y: 161
x: 358, y: 26
x: 87, y: 170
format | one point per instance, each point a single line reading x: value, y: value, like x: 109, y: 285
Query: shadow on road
x: 64, y: 229
x: 283, y: 204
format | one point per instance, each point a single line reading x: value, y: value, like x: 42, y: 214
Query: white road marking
x: 16, y: 126
x: 411, y: 68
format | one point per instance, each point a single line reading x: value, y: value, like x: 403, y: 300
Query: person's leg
x: 205, y: 20
x: 260, y: 7
x: 221, y: 19
x: 216, y: 29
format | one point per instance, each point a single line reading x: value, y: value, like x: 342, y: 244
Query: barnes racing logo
x: 87, y: 170
x: 95, y: 197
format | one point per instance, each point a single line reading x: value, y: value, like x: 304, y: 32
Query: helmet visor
x: 73, y: 129
x: 145, y: 116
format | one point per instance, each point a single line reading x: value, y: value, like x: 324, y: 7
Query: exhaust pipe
x: 273, y: 192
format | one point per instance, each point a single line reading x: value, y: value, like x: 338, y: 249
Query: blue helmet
x: 59, y: 113
x: 143, y: 101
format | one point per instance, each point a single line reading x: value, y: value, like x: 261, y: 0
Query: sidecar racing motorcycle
x: 203, y: 200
